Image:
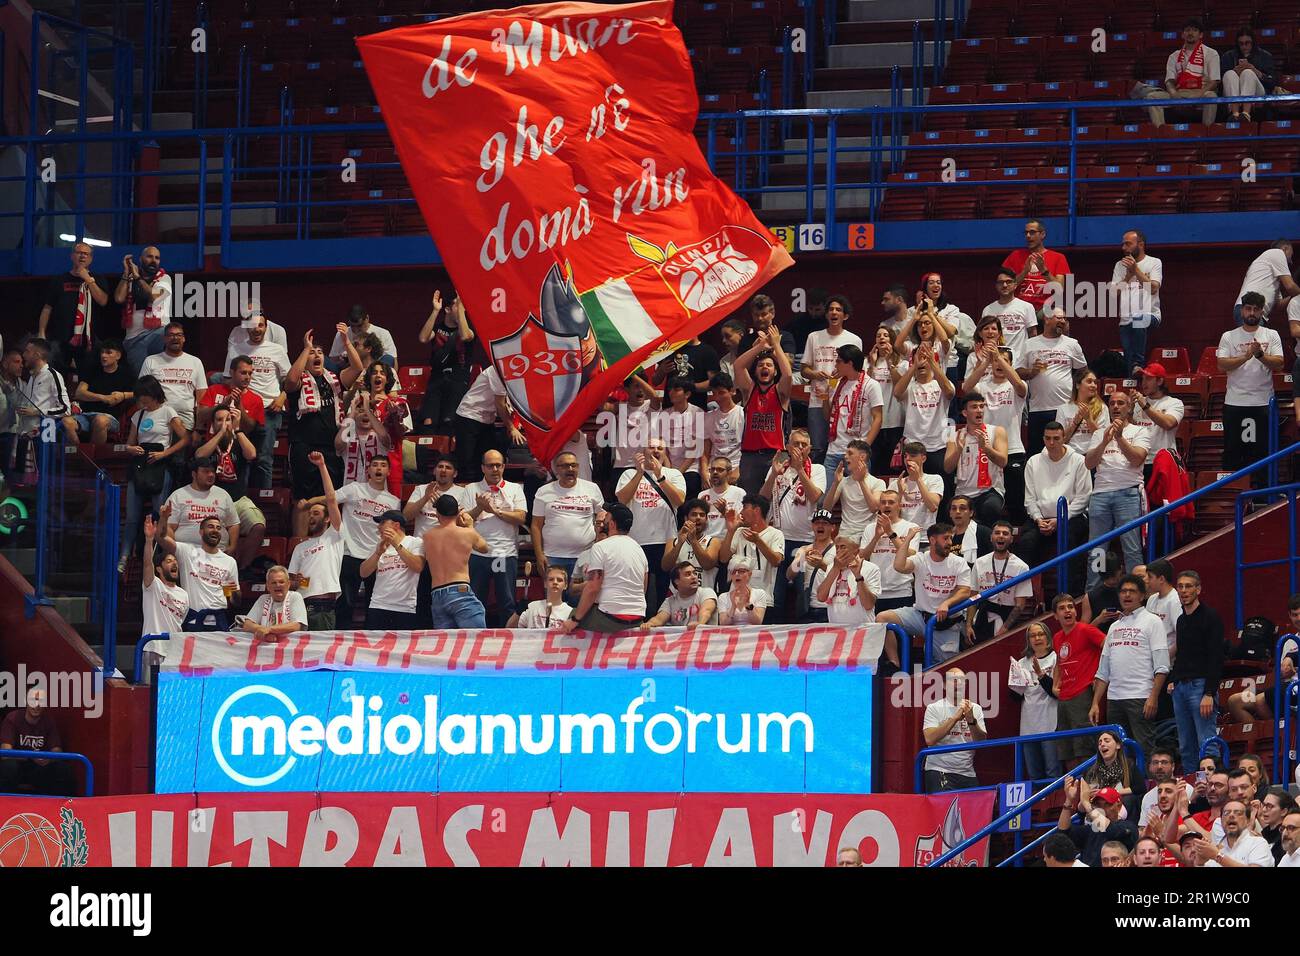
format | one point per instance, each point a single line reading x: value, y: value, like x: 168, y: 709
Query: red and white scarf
x: 1190, y: 68
x: 855, y: 406
x: 983, y: 477
x: 309, y: 398
x: 798, y: 486
x: 152, y: 318
x: 81, y: 325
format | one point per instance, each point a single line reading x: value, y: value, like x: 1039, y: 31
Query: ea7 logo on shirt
x: 76, y: 909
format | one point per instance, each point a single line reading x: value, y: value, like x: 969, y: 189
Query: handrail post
x: 810, y: 44
x: 787, y: 82
x: 1062, y: 544
x: 831, y: 149
x: 1273, y: 433
x: 811, y: 180
x: 1074, y: 156
x: 1239, y: 546
x: 202, y: 213
x: 227, y: 160
x: 904, y: 648
x: 1281, y: 731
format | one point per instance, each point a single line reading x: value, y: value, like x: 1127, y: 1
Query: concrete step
x: 844, y: 199
x: 864, y: 11
x: 23, y: 560
x: 74, y: 610
x: 874, y: 56
x: 847, y: 99
x: 168, y: 221
x: 175, y: 165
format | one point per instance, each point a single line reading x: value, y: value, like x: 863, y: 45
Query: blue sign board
x: 751, y: 732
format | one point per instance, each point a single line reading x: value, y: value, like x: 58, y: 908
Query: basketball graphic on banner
x: 28, y: 839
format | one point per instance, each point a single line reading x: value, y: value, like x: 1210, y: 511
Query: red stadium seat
x: 1068, y: 57
x: 969, y: 158
x: 970, y: 60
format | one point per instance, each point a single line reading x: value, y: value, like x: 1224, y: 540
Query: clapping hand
x: 316, y: 458
x: 437, y: 300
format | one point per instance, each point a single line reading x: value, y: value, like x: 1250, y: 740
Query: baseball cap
x: 1154, y: 369
x: 1187, y: 835
x: 392, y: 514
x: 823, y: 515
x: 1108, y: 794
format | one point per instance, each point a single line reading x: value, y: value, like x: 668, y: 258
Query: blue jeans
x: 818, y: 429
x: 1041, y: 761
x: 135, y: 515
x: 1107, y: 511
x: 141, y: 347
x: 498, y: 571
x: 832, y: 462
x: 1133, y: 339
x: 267, y: 448
x: 456, y: 606
x: 1193, y: 729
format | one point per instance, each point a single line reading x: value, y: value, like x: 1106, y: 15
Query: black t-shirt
x: 447, y: 351
x: 103, y: 383
x: 698, y: 363
x: 318, y: 428
x: 787, y: 345
x: 61, y: 296
x: 20, y: 734
x: 1103, y: 598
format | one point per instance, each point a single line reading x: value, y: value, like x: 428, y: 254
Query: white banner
x: 813, y: 648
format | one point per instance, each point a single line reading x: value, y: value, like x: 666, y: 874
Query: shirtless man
x: 447, y: 547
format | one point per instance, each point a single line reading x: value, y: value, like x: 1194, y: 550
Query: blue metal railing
x: 1292, y: 560
x: 71, y: 504
x: 1116, y: 729
x: 55, y: 755
x: 1088, y: 546
x: 140, y: 645
x: 1284, y: 724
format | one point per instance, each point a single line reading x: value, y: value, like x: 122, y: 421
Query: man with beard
x: 164, y: 602
x: 688, y: 605
x: 849, y: 587
x: 942, y: 579
x: 270, y: 366
x: 893, y: 309
x: 181, y: 374
x: 978, y: 454
x: 1078, y: 649
x: 360, y: 502
x: 145, y: 294
x: 317, y: 560
x: 1273, y: 809
x: 880, y: 543
x: 692, y: 544
x: 762, y: 324
x: 1005, y: 610
x: 1239, y: 847
x: 315, y: 394
x: 1248, y: 355
x: 794, y: 486
x: 1290, y: 828
x: 209, y: 575
x: 237, y: 395
x: 721, y: 496
x: 766, y: 399
x: 564, y: 516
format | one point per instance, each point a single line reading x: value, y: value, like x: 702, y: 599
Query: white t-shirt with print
x: 846, y: 410
x: 844, y: 605
x: 1051, y: 387
x: 502, y: 536
x: 725, y: 431
x: 1135, y: 297
x: 271, y: 364
x: 936, y: 580
x: 654, y: 520
x: 685, y: 611
x: 191, y: 507
x: 989, y: 571
x: 1081, y: 440
x: 732, y: 499
x: 819, y: 352
x: 395, y: 584
x: 1262, y: 275
x: 892, y: 417
x: 319, y: 560
x: 926, y: 418
x: 155, y: 428
x: 428, y: 515
x: 360, y: 505
x: 1115, y: 472
x: 683, y: 435
x: 792, y: 510
x: 855, y: 515
x: 764, y: 571
x: 1006, y: 408
x: 181, y: 377
x: 1160, y: 437
x: 961, y: 762
x: 757, y: 596
x: 895, y: 584
x: 203, y: 575
x: 540, y: 615
x: 268, y: 612
x: 1249, y: 385
x: 1018, y: 317
x: 569, y: 516
x: 164, y: 607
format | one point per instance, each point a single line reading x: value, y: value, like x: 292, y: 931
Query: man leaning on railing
x: 32, y: 728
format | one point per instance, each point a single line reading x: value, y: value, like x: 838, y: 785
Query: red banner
x: 550, y: 149
x: 530, y: 829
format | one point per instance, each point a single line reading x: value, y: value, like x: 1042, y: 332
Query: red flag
x: 550, y: 149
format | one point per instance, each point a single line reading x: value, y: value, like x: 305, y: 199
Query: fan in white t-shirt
x: 396, y: 563
x: 564, y: 514
x: 724, y: 425
x: 613, y: 597
x: 749, y: 536
x: 927, y: 391
x: 1268, y: 274
x: 276, y: 613
x: 1016, y: 315
x: 181, y: 375
x: 551, y: 611
x: 721, y: 496
x: 421, y: 507
x: 820, y: 366
x: 942, y: 580
x: 200, y: 499
x: 742, y: 604
x: 688, y: 604
x: 849, y: 587
x: 164, y: 602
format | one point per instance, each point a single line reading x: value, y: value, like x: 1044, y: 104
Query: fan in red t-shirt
x: 1078, y: 651
x: 1036, y: 266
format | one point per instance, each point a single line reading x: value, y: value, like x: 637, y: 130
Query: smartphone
x: 1202, y: 776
